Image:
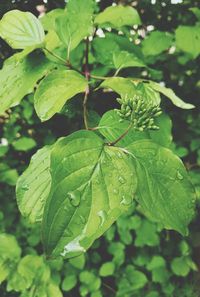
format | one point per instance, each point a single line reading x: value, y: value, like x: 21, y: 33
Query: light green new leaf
x: 92, y: 184
x: 111, y: 126
x: 118, y: 16
x: 125, y: 59
x: 164, y: 190
x: 19, y: 76
x: 188, y: 39
x: 76, y: 24
x: 21, y: 30
x: 126, y: 87
x: 33, y: 186
x: 169, y: 93
x: 55, y: 89
x: 156, y: 43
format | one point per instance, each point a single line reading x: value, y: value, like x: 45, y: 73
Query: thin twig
x: 121, y: 136
x: 109, y: 287
x: 87, y: 91
x: 55, y: 56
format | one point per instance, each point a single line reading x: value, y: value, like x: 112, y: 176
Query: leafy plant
x: 81, y: 184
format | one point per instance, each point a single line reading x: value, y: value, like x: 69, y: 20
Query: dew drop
x: 126, y: 201
x: 25, y: 187
x: 115, y: 191
x: 74, y: 197
x: 121, y: 180
x: 102, y: 215
x: 119, y: 155
x: 179, y: 175
x: 73, y: 247
x: 83, y: 220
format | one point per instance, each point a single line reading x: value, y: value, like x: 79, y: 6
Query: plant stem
x: 100, y: 77
x: 87, y: 91
x: 121, y: 136
x: 55, y: 56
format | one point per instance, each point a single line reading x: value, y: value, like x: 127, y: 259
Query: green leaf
x: 196, y: 12
x: 92, y: 185
x: 118, y: 16
x: 188, y: 39
x: 33, y: 186
x: 49, y: 19
x: 111, y: 126
x: 107, y: 269
x: 169, y: 93
x: 76, y: 24
x: 167, y: 196
x: 107, y: 51
x: 133, y: 280
x: 19, y: 77
x: 78, y: 262
x: 8, y: 175
x: 125, y: 59
x: 156, y: 43
x: 55, y: 89
x: 21, y: 30
x: 180, y: 266
x: 69, y: 282
x: 24, y: 144
x: 146, y: 234
x: 126, y: 87
x: 9, y: 248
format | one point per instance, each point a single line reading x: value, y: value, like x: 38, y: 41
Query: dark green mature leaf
x: 21, y: 30
x: 34, y: 185
x: 188, y: 39
x: 55, y: 89
x: 108, y: 50
x: 76, y: 24
x: 111, y: 126
x: 92, y: 184
x: 156, y: 43
x: 164, y: 190
x: 19, y: 76
x: 169, y: 93
x: 118, y: 16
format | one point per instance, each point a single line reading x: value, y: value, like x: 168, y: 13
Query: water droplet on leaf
x: 74, y: 197
x: 102, y: 215
x: 121, y: 180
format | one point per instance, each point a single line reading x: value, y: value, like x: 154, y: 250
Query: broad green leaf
x: 123, y: 86
x: 133, y: 280
x: 9, y: 248
x: 146, y: 234
x: 125, y: 59
x: 33, y: 186
x: 8, y: 175
x: 9, y: 254
x: 69, y: 282
x: 156, y: 43
x: 19, y: 77
x: 167, y: 194
x: 118, y: 16
x: 49, y: 19
x: 24, y: 144
x: 55, y: 89
x: 107, y: 269
x: 92, y: 184
x: 127, y: 87
x: 107, y: 51
x: 188, y: 39
x: 76, y: 24
x: 169, y: 93
x: 180, y: 266
x: 21, y: 30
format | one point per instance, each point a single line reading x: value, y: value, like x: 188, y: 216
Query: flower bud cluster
x: 141, y: 112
